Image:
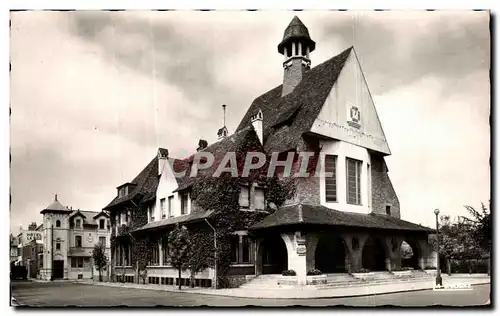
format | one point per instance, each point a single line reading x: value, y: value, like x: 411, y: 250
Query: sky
x: 93, y: 95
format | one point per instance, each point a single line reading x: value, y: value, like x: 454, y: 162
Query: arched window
x: 58, y: 223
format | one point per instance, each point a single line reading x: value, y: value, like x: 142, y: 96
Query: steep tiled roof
x: 195, y: 216
x: 219, y: 149
x: 55, y: 206
x: 287, y: 118
x: 88, y: 216
x: 320, y: 215
x: 145, y: 182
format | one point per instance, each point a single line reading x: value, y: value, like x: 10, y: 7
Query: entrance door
x: 58, y: 269
x: 274, y: 256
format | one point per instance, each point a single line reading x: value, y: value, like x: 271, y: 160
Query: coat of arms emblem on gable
x: 354, y: 116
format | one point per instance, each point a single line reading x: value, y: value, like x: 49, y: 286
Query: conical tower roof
x: 55, y: 206
x: 296, y: 30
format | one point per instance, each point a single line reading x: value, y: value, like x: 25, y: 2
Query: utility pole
x: 439, y: 280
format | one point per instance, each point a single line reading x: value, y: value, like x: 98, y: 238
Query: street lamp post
x: 439, y: 280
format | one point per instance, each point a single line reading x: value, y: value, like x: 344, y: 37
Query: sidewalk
x: 306, y: 292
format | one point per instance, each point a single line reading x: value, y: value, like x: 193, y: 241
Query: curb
x: 426, y: 288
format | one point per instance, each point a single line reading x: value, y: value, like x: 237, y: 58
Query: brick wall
x: 382, y: 190
x: 292, y: 76
x: 307, y: 189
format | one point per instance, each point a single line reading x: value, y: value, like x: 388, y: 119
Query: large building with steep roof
x: 345, y: 220
x: 68, y: 238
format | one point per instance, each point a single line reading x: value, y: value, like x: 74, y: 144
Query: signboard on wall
x: 30, y: 235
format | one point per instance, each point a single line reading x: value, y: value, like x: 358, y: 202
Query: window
x: 162, y: 207
x: 235, y: 243
x: 123, y: 191
x: 244, y: 199
x: 151, y: 214
x: 126, y: 255
x: 77, y: 262
x: 184, y: 203
x: 123, y: 218
x: 388, y: 209
x: 245, y: 249
x: 102, y: 241
x: 331, y: 181
x: 155, y: 256
x: 58, y: 223
x: 170, y: 205
x: 119, y: 259
x: 78, y: 223
x: 164, y: 249
x: 58, y: 246
x: 78, y: 241
x: 102, y: 223
x: 259, y: 199
x: 353, y: 181
x: 240, y: 249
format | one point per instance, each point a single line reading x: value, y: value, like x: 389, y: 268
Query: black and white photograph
x: 236, y: 158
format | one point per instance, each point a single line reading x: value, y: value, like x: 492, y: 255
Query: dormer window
x: 125, y: 189
x: 78, y: 223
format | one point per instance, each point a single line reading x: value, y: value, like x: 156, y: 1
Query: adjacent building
x: 69, y: 237
x: 14, y: 253
x: 345, y: 220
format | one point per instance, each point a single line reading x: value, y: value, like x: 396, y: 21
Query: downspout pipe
x: 215, y: 252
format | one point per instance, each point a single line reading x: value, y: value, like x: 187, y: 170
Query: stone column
x: 354, y: 244
x: 258, y: 253
x: 311, y: 244
x: 423, y: 246
x: 393, y: 244
x: 297, y: 254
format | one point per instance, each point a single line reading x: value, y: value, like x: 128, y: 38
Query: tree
x: 100, y: 259
x: 481, y: 222
x: 179, y: 249
x: 457, y: 241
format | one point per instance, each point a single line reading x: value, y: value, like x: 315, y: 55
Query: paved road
x: 64, y: 294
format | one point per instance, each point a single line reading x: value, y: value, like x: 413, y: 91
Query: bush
x: 314, y: 272
x: 288, y: 273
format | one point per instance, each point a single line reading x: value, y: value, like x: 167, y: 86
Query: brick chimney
x: 202, y: 144
x: 162, y: 159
